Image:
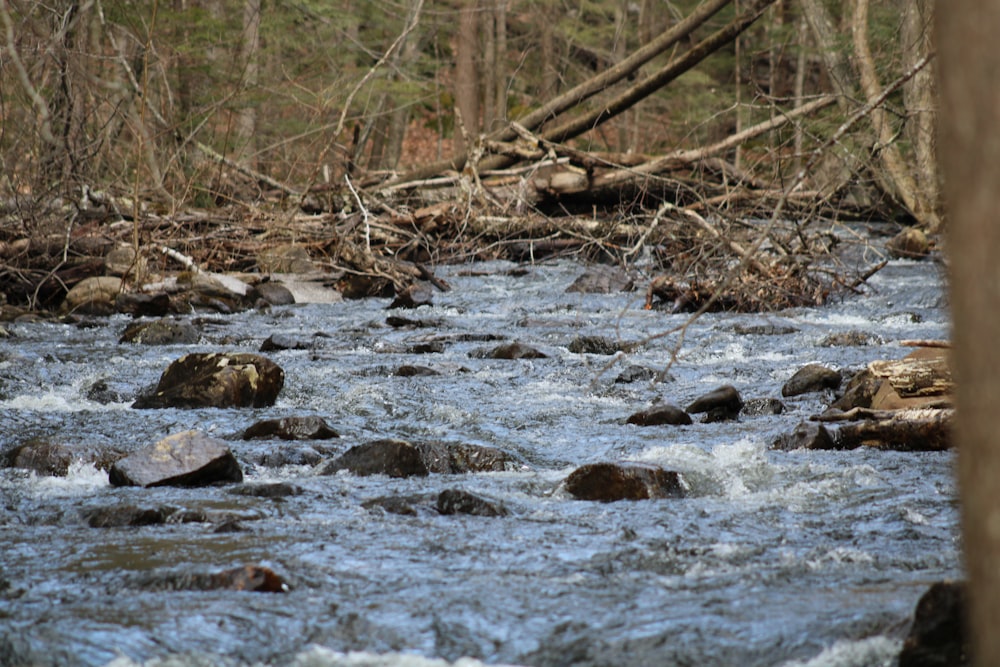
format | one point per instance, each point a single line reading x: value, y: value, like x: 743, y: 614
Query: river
x: 774, y: 558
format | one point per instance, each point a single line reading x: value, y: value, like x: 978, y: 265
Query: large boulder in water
x: 189, y: 458
x: 213, y: 380
x: 938, y: 636
x: 608, y: 482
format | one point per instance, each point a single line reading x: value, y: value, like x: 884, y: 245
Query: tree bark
x: 466, y: 81
x: 970, y: 158
x: 246, y: 117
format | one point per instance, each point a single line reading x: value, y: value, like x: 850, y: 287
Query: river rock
x: 757, y: 407
x: 402, y: 505
x: 203, y: 380
x: 271, y: 293
x: 189, y: 458
x: 664, y: 413
x: 634, y: 373
x: 93, y: 296
x: 911, y: 243
x: 409, y: 370
x: 598, y: 345
x: 286, y: 259
x: 807, y: 435
x: 270, y: 490
x: 140, y: 304
x: 938, y: 636
x: 459, y: 501
x: 279, y: 341
x: 458, y: 458
x: 721, y: 404
x: 276, y: 457
x: 110, y: 390
x: 609, y: 482
x: 161, y: 332
x: 291, y: 428
x: 602, y: 279
x: 415, y: 295
x: 852, y: 338
x: 811, y: 378
x: 399, y: 458
x: 388, y: 456
x: 252, y: 578
x: 42, y: 458
x: 125, y: 515
x: 512, y: 351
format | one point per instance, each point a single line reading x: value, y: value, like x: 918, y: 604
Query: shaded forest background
x: 405, y: 124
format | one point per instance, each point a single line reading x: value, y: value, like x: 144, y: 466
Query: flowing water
x: 773, y: 558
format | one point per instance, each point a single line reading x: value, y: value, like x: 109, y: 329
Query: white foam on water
x: 870, y: 652
x: 317, y: 656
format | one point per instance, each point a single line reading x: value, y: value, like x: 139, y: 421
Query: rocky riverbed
x: 487, y: 407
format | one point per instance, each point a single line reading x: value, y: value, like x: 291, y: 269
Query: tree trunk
x: 466, y: 81
x: 246, y: 117
x: 970, y: 159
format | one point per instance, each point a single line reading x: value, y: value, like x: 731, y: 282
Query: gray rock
x: 807, y: 435
x: 42, y: 458
x: 161, y: 332
x: 189, y: 458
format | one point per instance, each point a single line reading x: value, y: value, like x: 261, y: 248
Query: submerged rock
x: 458, y: 501
x: 205, y: 380
x: 40, y: 457
x: 657, y: 415
x: 189, y: 458
x: 609, y: 482
x: 634, y: 373
x: 719, y: 404
x: 161, y: 332
x: 938, y: 636
x: 276, y: 342
x: 756, y: 407
x: 252, y: 578
x: 598, y: 345
x: 125, y: 515
x: 811, y: 378
x: 512, y: 351
x: 399, y: 458
x: 291, y: 428
x: 602, y: 279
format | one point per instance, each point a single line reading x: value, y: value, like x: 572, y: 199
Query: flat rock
x: 204, y: 380
x: 609, y: 482
x: 291, y: 428
x: 598, y: 345
x: 665, y: 413
x: 189, y: 458
x: 125, y: 515
x: 512, y: 351
x: 399, y: 458
x: 161, y: 332
x: 251, y: 578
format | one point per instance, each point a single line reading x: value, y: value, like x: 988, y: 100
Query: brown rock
x: 938, y: 636
x: 189, y: 458
x: 395, y: 458
x: 665, y: 413
x: 609, y: 482
x: 43, y: 458
x: 514, y: 351
x: 811, y: 378
x: 292, y: 428
x: 204, y: 380
x: 458, y: 501
x: 251, y: 578
x: 272, y: 293
x: 93, y: 296
x: 457, y: 458
x: 413, y: 296
x: 125, y: 515
x: 719, y: 404
x: 602, y: 279
x: 911, y: 243
x: 807, y: 435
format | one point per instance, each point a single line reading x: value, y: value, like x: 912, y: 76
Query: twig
x: 364, y: 212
